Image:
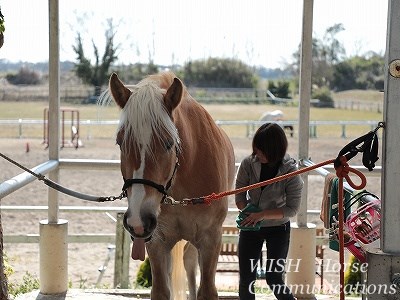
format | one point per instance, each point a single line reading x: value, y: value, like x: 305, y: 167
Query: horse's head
x: 149, y: 143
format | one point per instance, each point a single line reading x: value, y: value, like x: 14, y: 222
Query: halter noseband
x: 159, y: 187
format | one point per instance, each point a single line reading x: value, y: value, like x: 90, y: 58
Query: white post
x: 384, y: 264
x: 305, y: 97
x: 53, y: 257
x: 300, y: 266
x: 302, y: 244
x: 54, y: 232
x: 390, y: 222
x: 54, y: 103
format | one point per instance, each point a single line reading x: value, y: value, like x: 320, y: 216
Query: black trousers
x: 277, y: 240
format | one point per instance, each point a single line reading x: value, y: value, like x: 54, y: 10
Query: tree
x: 219, y: 72
x: 326, y: 52
x: 135, y: 72
x: 24, y: 76
x: 331, y: 49
x: 96, y: 74
x: 359, y: 72
x: 280, y: 89
x: 344, y: 77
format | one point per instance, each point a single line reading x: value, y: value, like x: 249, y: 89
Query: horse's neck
x: 202, y: 147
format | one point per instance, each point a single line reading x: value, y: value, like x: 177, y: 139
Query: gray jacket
x: 285, y: 194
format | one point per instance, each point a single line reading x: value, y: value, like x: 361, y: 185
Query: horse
x: 172, y: 150
x: 276, y: 115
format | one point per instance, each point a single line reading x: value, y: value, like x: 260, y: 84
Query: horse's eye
x: 168, y: 144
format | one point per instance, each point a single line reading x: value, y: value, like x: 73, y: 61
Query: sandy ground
x: 85, y: 259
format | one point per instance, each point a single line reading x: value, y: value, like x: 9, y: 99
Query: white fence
x: 250, y: 125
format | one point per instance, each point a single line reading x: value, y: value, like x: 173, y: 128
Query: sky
x: 258, y: 32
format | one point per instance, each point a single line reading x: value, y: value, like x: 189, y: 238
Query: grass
x: 365, y: 95
x: 34, y: 110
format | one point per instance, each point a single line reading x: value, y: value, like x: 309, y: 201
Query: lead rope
x: 344, y: 170
x: 62, y: 189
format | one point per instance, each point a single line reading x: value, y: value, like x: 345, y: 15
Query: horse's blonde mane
x: 144, y: 116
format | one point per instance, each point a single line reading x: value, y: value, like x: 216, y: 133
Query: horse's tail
x: 178, y: 272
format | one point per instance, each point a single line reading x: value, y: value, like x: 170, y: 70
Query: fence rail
x: 250, y: 125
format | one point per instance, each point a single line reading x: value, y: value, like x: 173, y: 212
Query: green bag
x: 243, y: 214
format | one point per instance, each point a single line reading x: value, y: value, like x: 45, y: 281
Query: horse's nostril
x: 150, y: 222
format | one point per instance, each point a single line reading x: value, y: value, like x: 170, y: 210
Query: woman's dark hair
x: 271, y: 140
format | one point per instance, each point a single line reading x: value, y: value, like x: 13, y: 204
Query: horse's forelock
x: 144, y: 117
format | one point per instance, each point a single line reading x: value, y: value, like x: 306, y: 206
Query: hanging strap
x: 367, y: 144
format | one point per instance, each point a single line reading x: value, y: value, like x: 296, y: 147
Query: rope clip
x: 171, y: 201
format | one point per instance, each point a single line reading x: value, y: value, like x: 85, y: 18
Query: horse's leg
x: 160, y: 261
x: 190, y: 260
x: 209, y: 249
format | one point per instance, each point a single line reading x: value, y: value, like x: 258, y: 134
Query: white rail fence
x: 18, y: 126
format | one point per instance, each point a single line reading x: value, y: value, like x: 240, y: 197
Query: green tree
x: 220, y: 73
x: 135, y: 72
x: 326, y: 52
x: 359, y: 72
x: 96, y: 73
x: 323, y: 94
x: 280, y: 89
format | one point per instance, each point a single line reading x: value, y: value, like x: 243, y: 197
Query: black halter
x: 160, y: 188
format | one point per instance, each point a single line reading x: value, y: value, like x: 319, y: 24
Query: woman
x: 265, y: 211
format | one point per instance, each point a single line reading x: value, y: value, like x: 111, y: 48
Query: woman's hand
x: 253, y: 218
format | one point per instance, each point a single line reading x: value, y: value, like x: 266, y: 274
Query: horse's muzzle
x: 149, y: 222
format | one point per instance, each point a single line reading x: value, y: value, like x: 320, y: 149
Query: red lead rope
x: 342, y: 172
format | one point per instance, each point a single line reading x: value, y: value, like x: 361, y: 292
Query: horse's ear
x: 174, y: 95
x: 118, y: 90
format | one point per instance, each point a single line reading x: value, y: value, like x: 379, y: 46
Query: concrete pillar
x: 383, y: 276
x: 300, y: 276
x: 53, y: 247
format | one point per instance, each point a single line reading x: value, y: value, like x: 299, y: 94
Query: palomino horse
x: 171, y: 149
